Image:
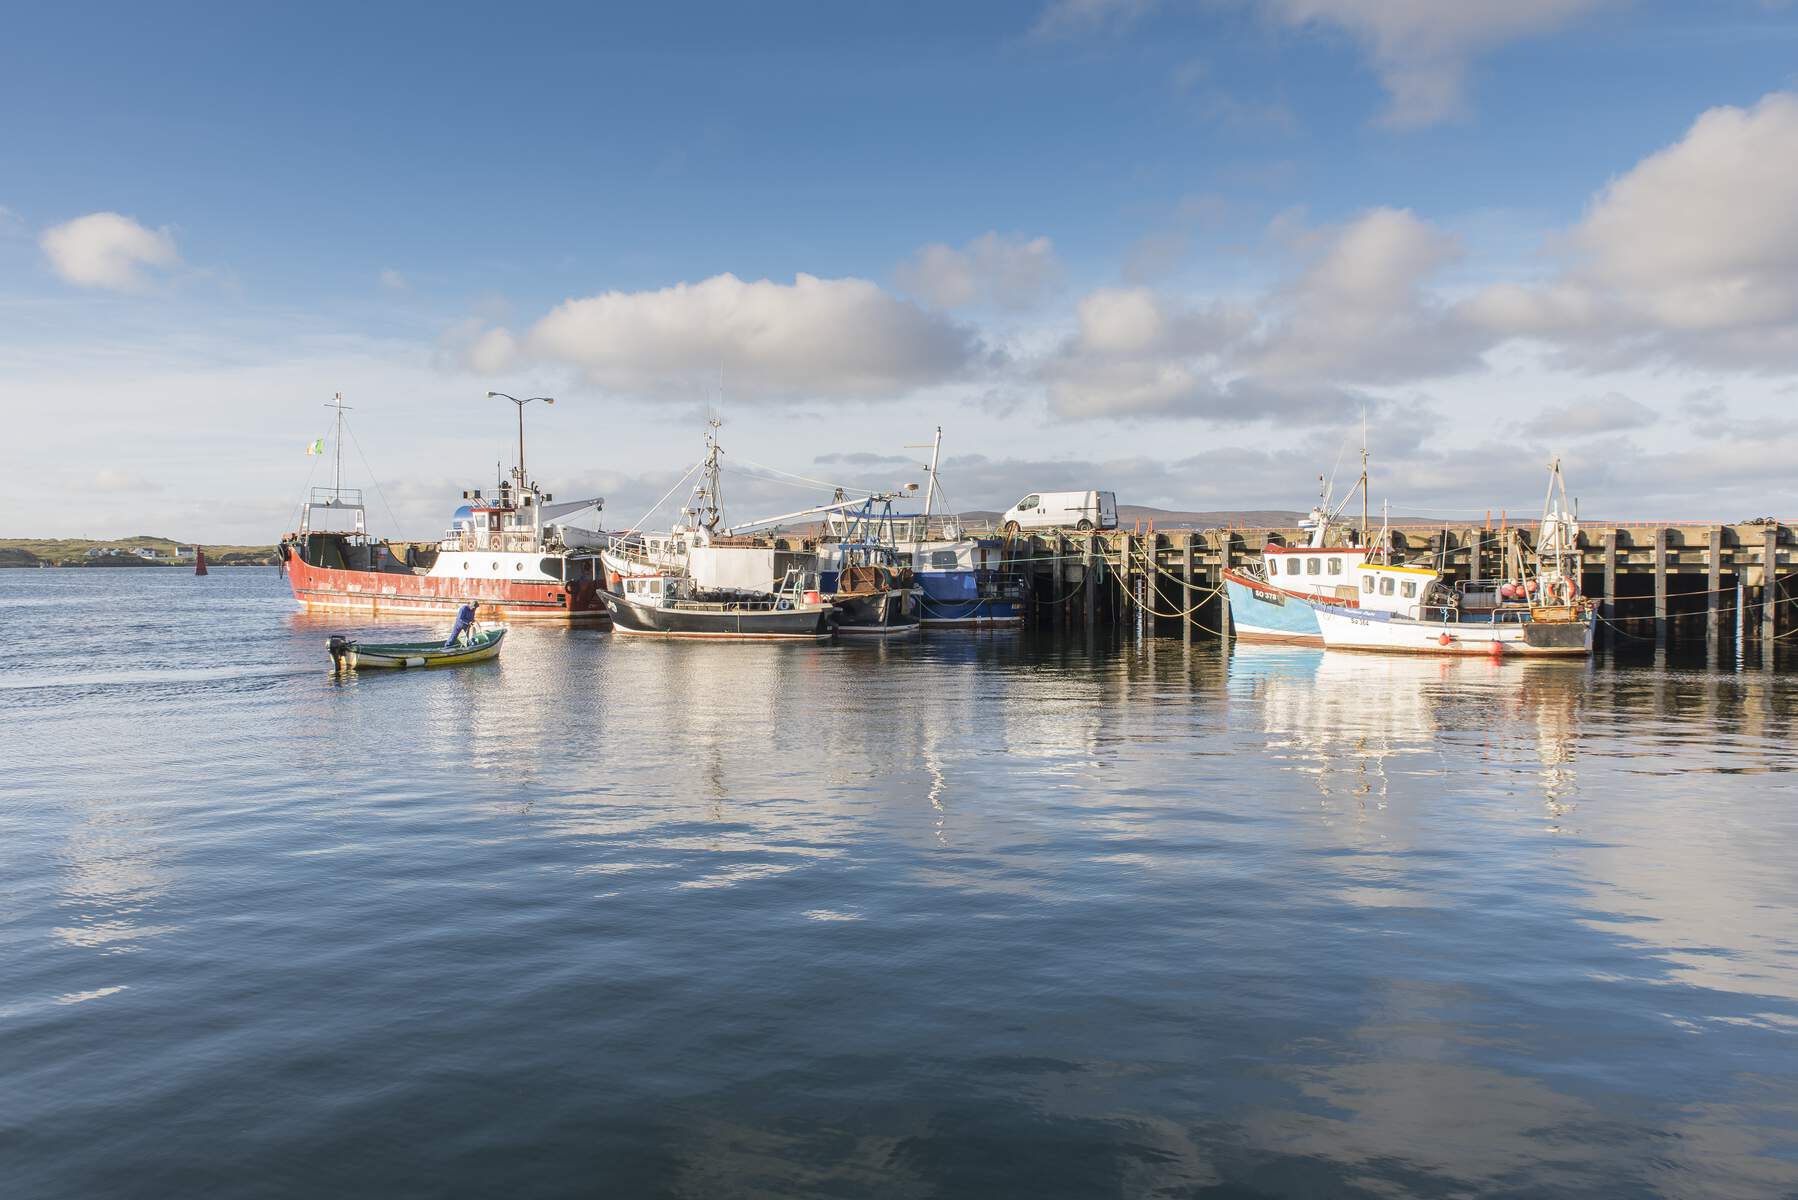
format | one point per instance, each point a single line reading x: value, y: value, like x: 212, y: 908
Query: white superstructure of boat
x: 1536, y: 610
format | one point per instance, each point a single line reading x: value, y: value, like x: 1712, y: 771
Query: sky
x: 1181, y: 249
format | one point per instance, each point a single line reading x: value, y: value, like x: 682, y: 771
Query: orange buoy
x: 1446, y: 640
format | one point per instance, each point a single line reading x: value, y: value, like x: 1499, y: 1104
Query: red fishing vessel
x: 523, y: 556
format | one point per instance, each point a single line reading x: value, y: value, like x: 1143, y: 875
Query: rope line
x: 637, y: 528
x: 371, y: 475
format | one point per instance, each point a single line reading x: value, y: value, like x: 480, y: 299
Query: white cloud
x: 1612, y: 412
x: 491, y: 350
x: 1691, y: 255
x: 827, y: 338
x: 1358, y: 312
x: 106, y: 250
x: 392, y: 280
x: 1361, y: 311
x: 1005, y: 270
x: 111, y: 479
x: 1421, y: 48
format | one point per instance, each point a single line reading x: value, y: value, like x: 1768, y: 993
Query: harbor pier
x: 1655, y: 582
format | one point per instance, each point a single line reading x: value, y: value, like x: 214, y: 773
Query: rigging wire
x: 371, y: 476
x: 658, y: 504
x: 823, y: 483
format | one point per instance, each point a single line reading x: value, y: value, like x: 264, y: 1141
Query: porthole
x: 465, y: 564
x: 496, y: 566
x: 518, y: 567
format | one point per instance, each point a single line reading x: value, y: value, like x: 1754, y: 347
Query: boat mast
x: 936, y: 449
x: 337, y: 469
x: 1364, y: 477
x: 709, y: 490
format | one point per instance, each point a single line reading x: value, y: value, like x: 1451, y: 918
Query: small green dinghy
x: 348, y: 653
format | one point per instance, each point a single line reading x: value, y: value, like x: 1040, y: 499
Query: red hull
x: 381, y: 593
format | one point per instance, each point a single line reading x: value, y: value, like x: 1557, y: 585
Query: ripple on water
x: 981, y: 915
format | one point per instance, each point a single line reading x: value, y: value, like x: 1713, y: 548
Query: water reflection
x: 114, y: 871
x: 965, y: 915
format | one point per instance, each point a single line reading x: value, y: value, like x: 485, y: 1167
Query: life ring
x: 493, y: 542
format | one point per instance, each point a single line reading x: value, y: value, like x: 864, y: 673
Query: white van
x: 1053, y: 510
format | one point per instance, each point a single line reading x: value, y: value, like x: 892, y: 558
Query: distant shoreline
x: 106, y: 566
x: 37, y: 553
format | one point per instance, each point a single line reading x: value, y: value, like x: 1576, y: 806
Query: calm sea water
x: 984, y: 915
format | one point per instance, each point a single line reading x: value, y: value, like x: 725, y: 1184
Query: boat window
x: 1386, y: 586
x: 1273, y: 567
x: 1409, y: 591
x: 1314, y: 566
x: 496, y: 567
x: 518, y: 568
x: 1335, y: 566
x: 552, y: 567
x: 942, y: 559
x: 1367, y: 584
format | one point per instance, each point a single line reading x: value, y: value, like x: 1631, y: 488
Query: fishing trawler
x: 963, y: 579
x: 695, y: 581
x: 864, y: 575
x: 1536, y: 609
x: 1272, y: 601
x: 523, y: 556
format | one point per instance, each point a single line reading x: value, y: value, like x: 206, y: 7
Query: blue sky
x: 1171, y: 248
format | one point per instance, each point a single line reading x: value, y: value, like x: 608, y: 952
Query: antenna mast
x: 936, y: 449
x: 711, y: 510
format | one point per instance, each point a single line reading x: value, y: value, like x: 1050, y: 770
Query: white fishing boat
x: 1536, y: 610
x: 1272, y: 601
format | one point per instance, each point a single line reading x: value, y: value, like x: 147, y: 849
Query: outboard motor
x: 340, y: 650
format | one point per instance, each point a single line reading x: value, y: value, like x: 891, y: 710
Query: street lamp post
x: 521, y: 404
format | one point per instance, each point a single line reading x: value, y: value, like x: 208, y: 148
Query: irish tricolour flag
x: 314, y: 448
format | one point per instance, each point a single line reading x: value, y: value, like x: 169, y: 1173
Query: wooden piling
x: 1713, y: 582
x: 1660, y: 586
x: 1123, y: 577
x: 1186, y: 590
x: 1608, y: 607
x: 1769, y: 586
x: 1474, y: 544
x: 1063, y: 582
x: 1090, y: 586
